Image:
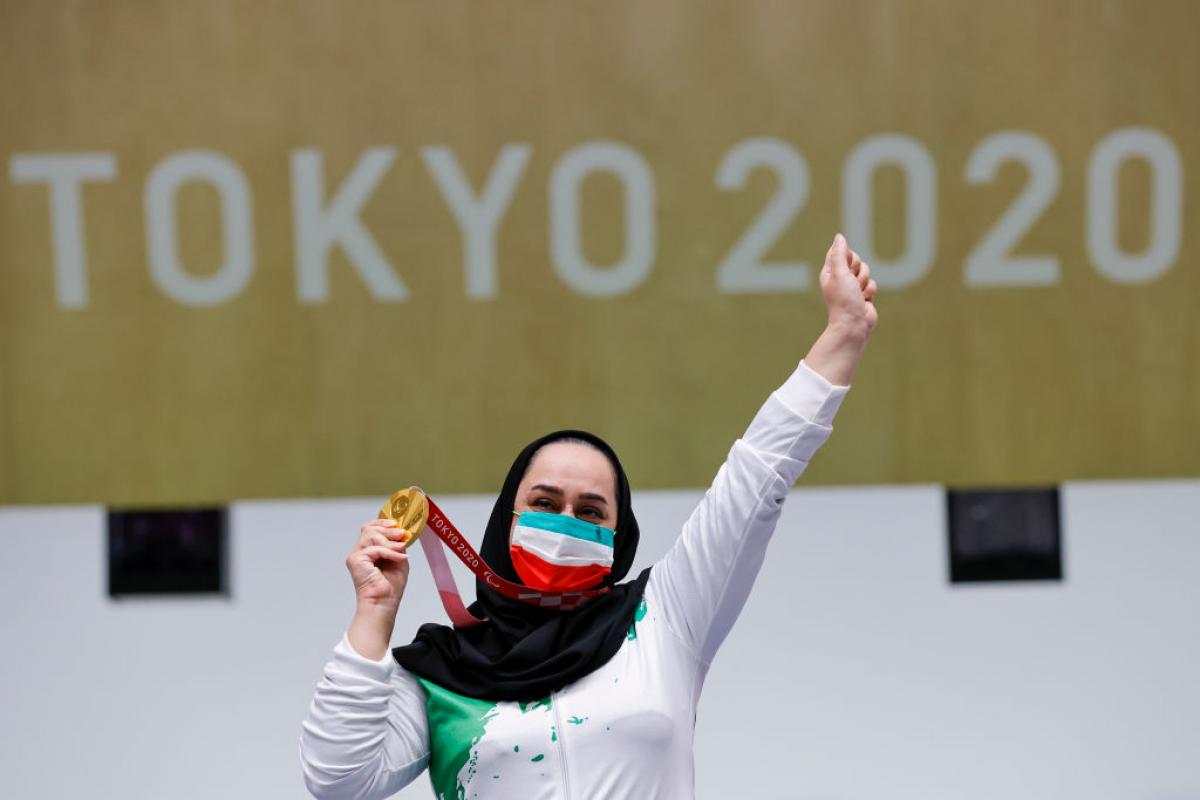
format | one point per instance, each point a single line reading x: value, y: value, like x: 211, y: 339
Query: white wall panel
x: 857, y: 672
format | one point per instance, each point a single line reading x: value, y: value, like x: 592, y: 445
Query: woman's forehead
x: 571, y: 466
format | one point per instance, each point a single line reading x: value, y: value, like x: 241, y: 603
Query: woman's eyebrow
x: 548, y: 489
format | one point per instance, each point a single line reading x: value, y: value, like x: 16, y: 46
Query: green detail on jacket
x: 456, y: 724
x: 535, y: 705
x: 638, y: 616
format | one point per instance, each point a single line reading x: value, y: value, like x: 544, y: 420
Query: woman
x: 596, y: 702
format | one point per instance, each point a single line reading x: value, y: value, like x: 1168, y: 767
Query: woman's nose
x: 569, y: 510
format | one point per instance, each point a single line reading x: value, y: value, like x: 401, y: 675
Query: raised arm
x: 703, y: 581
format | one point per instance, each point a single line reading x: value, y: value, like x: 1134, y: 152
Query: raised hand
x: 849, y: 298
x: 378, y: 564
x: 848, y: 289
x: 379, y: 567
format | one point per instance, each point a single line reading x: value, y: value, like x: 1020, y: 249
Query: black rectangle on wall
x: 1004, y: 535
x: 167, y: 552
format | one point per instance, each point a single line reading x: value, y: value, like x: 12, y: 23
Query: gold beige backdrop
x: 306, y: 249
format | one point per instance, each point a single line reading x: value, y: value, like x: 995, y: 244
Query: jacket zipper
x: 555, y: 698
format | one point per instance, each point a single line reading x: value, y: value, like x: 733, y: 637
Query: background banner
x: 311, y: 249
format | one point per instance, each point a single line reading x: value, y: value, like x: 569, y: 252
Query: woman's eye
x: 592, y: 512
x: 542, y: 502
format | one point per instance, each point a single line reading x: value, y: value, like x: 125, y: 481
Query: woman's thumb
x: 836, y: 257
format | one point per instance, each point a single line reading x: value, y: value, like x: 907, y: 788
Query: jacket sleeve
x: 704, y: 579
x: 367, y: 733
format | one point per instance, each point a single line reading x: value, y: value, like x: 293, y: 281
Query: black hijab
x: 523, y: 651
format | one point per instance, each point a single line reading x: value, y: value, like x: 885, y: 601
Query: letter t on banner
x: 65, y: 173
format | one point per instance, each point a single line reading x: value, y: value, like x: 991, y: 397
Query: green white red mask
x: 557, y: 552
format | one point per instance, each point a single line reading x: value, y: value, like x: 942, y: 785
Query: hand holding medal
x: 378, y: 564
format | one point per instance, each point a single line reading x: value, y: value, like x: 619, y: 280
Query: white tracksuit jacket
x: 624, y: 730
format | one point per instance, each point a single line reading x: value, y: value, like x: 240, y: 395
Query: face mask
x: 556, y: 552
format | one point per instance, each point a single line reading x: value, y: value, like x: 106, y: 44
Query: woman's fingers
x: 869, y: 291
x: 382, y: 540
x: 382, y: 527
x: 391, y: 534
x: 374, y: 526
x: 377, y: 551
x: 860, y: 269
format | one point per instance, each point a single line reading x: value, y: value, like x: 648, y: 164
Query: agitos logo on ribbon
x: 414, y: 511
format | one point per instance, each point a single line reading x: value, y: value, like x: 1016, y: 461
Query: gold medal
x: 409, y: 509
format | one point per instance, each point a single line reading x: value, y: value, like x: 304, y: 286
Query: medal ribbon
x: 446, y: 531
